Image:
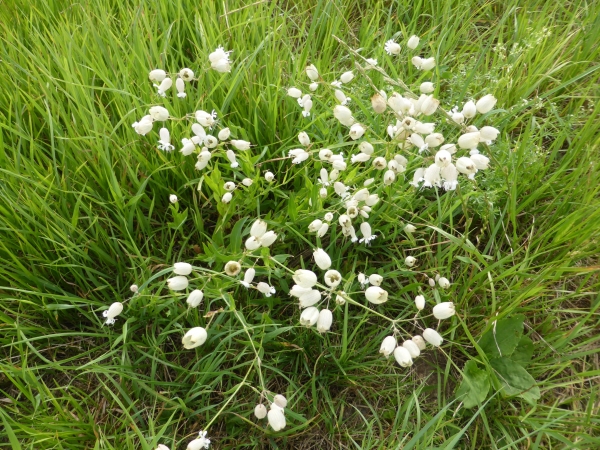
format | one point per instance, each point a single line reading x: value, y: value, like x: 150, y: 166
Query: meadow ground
x: 84, y: 213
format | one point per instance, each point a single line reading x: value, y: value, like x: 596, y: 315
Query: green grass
x: 84, y: 213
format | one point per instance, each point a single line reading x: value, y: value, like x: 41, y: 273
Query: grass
x: 84, y: 213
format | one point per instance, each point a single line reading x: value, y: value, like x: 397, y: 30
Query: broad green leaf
x: 515, y: 379
x: 524, y: 351
x: 474, y: 387
x: 235, y: 243
x: 503, y: 337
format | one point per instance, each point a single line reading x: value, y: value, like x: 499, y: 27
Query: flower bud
x: 232, y: 268
x: 247, y: 182
x: 481, y: 162
x: 340, y: 298
x: 182, y: 268
x: 469, y: 110
x: 304, y: 139
x: 227, y: 196
x: 433, y: 337
x: 173, y: 198
x: 444, y: 283
x: 312, y: 72
x: 260, y: 411
x: 267, y: 239
x: 269, y: 176
x: 229, y: 186
x: 133, y: 288
x: 157, y: 75
x: 408, y: 228
x: 378, y: 103
x: 420, y: 302
x: 466, y: 166
x: 485, y: 103
x: 387, y: 346
x: 347, y: 77
x: 178, y: 283
x: 224, y: 134
x: 376, y: 295
x: 427, y: 87
x: 194, y: 338
x: 489, y: 133
x: 195, y: 298
x: 252, y: 243
x: 412, y: 348
x: 314, y: 225
x: 428, y: 63
x: 322, y: 259
x: 379, y: 163
x: 159, y: 113
x: 403, y: 357
x: 324, y: 321
x: 469, y: 140
x: 162, y: 447
x: 375, y: 279
x: 309, y: 316
x: 305, y: 278
x: 444, y: 310
x: 344, y: 115
x: 356, y: 131
x: 418, y: 339
x: 294, y: 92
x: 280, y: 401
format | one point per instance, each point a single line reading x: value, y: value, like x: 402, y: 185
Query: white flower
x: 427, y: 87
x: 203, y: 159
x: 391, y: 47
x: 180, y: 85
x: 158, y: 113
x: 305, y: 278
x: 432, y: 177
x: 332, y: 278
x: 372, y: 200
x: 194, y: 338
x: 113, y: 311
x: 200, y: 442
x: 260, y: 411
x: 195, y: 298
x: 388, y: 345
x: 444, y: 310
x: 232, y: 268
x: 188, y: 147
x: 307, y: 298
x: 144, y: 126
x: 173, y: 198
x: 419, y: 341
x: 324, y: 321
x: 328, y: 217
x: 300, y: 155
x: 294, y: 92
x: 178, y: 283
x: 489, y: 133
x: 227, y: 196
x: 434, y: 140
x: 265, y: 289
x: 376, y: 295
x: 276, y: 418
x: 336, y: 84
x: 232, y: 159
x: 410, y: 228
x: 339, y: 299
x: 252, y: 243
x: 458, y: 118
x: 164, y: 86
x: 356, y: 131
x: 307, y: 104
x: 219, y: 60
x: 428, y: 63
x: 347, y: 77
x: 325, y: 154
x: 248, y: 277
x: 417, y: 61
x: 469, y: 110
x: 378, y: 103
x: 309, y: 316
x: 340, y: 97
x: 134, y: 288
x: 420, y: 302
x: 268, y: 238
x: 433, y: 337
x: 314, y: 226
x: 443, y: 158
x: 280, y: 401
x: 247, y: 182
x: 420, y: 127
x: 165, y: 140
x: 240, y: 145
x: 410, y: 261
x: 162, y: 447
x: 418, y: 177
x: 403, y: 357
x: 322, y: 259
x: 229, y: 186
x: 429, y: 105
x: 371, y: 62
x: 450, y: 176
x: 312, y: 72
x: 412, y: 348
x: 469, y: 140
x: 210, y: 141
x: 206, y: 119
x: 344, y: 115
x: 375, y: 279
x: 413, y: 42
x: 485, y: 103
x: 313, y: 86
x: 466, y: 166
x: 481, y: 162
x: 269, y: 176
x: 157, y: 75
x: 224, y: 134
x: 444, y: 282
x: 186, y: 74
x: 365, y: 229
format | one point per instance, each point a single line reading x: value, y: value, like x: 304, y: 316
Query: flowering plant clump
x: 391, y: 137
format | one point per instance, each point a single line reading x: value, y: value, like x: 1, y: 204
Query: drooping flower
x: 420, y: 302
x: 294, y: 92
x: 347, y: 77
x: 433, y: 337
x: 180, y: 85
x: 450, y: 176
x: 413, y: 42
x: 224, y: 134
x: 195, y: 337
x: 466, y: 166
x: 173, y: 198
x: 165, y: 140
x: 344, y: 115
x: 232, y: 268
x: 260, y: 411
x: 265, y: 289
x: 324, y: 321
x: 157, y: 75
x: 427, y: 87
x: 195, y: 298
x: 240, y: 144
x: 481, y: 162
x: 158, y: 113
x: 178, y: 283
x: 391, y: 47
x: 412, y: 348
x: 403, y: 357
x: 409, y: 228
x: 322, y: 259
x: 485, y: 103
x: 305, y: 278
x: 188, y: 147
x: 200, y: 442
x: 306, y: 297
x: 418, y: 339
x: 444, y: 283
x: 134, y: 288
x: 276, y: 418
x: 164, y: 86
x: 356, y: 131
x: 444, y: 310
x: 206, y: 119
x: 144, y: 126
x: 248, y: 277
x: 113, y: 311
x: 375, y: 279
x: 232, y: 158
x: 388, y: 346
x: 309, y: 316
x: 332, y: 278
x: 162, y: 447
x: 186, y: 74
x: 312, y: 72
x: 410, y: 261
x: 376, y: 295
x: 269, y: 176
x: 365, y: 229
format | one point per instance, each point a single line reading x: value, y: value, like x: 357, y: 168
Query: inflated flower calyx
x: 402, y: 356
x: 178, y: 283
x: 309, y: 316
x: 322, y: 259
x: 444, y: 310
x: 194, y: 338
x: 113, y: 311
x: 260, y: 411
x: 420, y: 302
x: 485, y: 103
x: 388, y: 346
x: 412, y: 348
x: 324, y: 321
x: 376, y: 295
x: 276, y: 418
x: 195, y: 298
x: 433, y: 337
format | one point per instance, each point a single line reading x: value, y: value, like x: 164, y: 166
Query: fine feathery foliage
x: 332, y: 225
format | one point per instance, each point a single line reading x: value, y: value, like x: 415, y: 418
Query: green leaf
x: 474, y: 387
x: 515, y: 379
x: 235, y: 242
x: 503, y: 338
x: 524, y: 351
